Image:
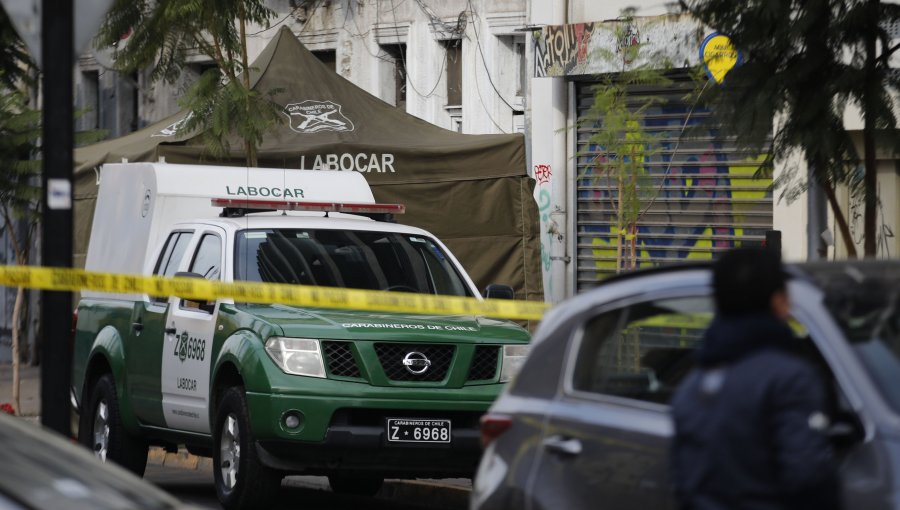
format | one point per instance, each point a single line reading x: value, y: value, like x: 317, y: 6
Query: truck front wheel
x: 102, y: 431
x: 242, y: 481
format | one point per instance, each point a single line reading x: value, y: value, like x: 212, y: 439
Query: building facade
x: 704, y: 198
x: 459, y: 64
x: 535, y: 66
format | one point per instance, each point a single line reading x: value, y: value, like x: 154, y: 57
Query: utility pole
x: 57, y: 34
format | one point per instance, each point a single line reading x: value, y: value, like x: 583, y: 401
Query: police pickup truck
x: 270, y: 390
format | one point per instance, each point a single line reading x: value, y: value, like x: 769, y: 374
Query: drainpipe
x: 559, y: 259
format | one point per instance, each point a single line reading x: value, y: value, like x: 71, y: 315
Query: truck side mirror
x: 499, y: 291
x: 206, y: 306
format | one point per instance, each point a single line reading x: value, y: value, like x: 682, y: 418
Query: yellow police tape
x: 50, y: 278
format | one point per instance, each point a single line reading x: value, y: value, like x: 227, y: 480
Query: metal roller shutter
x: 707, y: 199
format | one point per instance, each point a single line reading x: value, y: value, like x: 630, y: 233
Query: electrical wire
x: 475, y: 18
x: 484, y: 106
x: 406, y: 68
x: 665, y: 174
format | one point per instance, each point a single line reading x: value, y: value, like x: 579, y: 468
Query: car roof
x: 822, y: 275
x: 311, y: 220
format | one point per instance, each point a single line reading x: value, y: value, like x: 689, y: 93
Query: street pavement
x: 189, y: 477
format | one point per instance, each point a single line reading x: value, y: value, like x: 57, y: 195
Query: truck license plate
x: 418, y: 431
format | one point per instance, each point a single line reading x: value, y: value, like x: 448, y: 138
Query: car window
x: 171, y: 256
x: 641, y: 351
x: 208, y: 258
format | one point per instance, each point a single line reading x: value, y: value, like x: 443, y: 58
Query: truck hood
x: 360, y: 325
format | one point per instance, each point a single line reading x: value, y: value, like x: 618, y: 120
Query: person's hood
x: 729, y: 339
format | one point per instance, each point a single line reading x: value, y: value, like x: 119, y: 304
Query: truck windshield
x: 349, y: 259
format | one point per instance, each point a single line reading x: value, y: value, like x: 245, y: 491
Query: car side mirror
x: 205, y: 306
x: 845, y: 430
x: 499, y: 291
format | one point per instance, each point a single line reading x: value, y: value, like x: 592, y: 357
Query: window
x: 208, y: 259
x: 454, y: 72
x: 641, y: 351
x: 394, y: 79
x: 90, y: 100
x: 171, y: 256
x: 347, y: 259
x: 200, y: 68
x: 327, y: 57
x: 172, y: 253
x: 133, y: 102
x: 521, y: 66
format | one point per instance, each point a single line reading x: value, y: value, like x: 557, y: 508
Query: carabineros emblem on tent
x: 313, y: 116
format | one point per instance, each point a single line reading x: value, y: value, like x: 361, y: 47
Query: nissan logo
x: 416, y: 363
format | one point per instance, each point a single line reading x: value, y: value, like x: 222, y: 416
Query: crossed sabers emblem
x: 313, y: 120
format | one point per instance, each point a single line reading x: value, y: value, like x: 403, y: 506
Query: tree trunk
x: 620, y: 238
x: 840, y: 219
x: 870, y: 178
x: 17, y: 310
x: 634, y: 254
x: 248, y: 144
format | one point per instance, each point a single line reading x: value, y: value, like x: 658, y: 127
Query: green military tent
x: 472, y: 191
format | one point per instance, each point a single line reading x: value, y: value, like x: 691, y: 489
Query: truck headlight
x: 513, y: 357
x: 297, y: 356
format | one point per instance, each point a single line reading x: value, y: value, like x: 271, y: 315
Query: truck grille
x: 391, y: 358
x: 484, y: 363
x: 339, y: 359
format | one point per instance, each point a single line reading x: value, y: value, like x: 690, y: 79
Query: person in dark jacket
x: 750, y: 422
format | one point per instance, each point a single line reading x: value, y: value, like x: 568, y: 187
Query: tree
x: 805, y: 62
x: 165, y: 32
x: 20, y: 178
x: 20, y: 129
x: 619, y: 144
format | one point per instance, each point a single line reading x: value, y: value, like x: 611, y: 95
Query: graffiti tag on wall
x: 578, y: 49
x: 562, y: 49
x: 542, y: 174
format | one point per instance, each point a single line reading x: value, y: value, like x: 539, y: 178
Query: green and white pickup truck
x: 270, y: 390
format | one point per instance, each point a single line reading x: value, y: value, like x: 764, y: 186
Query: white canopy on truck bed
x: 138, y: 203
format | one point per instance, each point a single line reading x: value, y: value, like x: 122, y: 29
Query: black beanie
x: 744, y: 280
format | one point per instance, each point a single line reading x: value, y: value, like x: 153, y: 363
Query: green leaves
x: 807, y: 60
x: 165, y: 33
x: 20, y: 130
x: 16, y: 65
x: 228, y: 112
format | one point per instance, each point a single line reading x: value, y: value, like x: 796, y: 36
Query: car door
x: 146, y: 337
x: 607, y: 434
x: 186, y: 354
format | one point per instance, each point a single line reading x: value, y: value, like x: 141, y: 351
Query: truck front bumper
x: 362, y: 450
x: 349, y: 435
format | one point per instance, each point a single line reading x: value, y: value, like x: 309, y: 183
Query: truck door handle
x: 563, y: 445
x: 169, y: 331
x: 137, y: 327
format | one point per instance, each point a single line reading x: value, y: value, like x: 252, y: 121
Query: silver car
x: 586, y: 423
x: 39, y: 470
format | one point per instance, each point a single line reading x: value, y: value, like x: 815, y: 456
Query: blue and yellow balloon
x: 719, y: 56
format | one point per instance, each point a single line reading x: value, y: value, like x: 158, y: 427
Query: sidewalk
x: 450, y: 494
x: 29, y: 389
